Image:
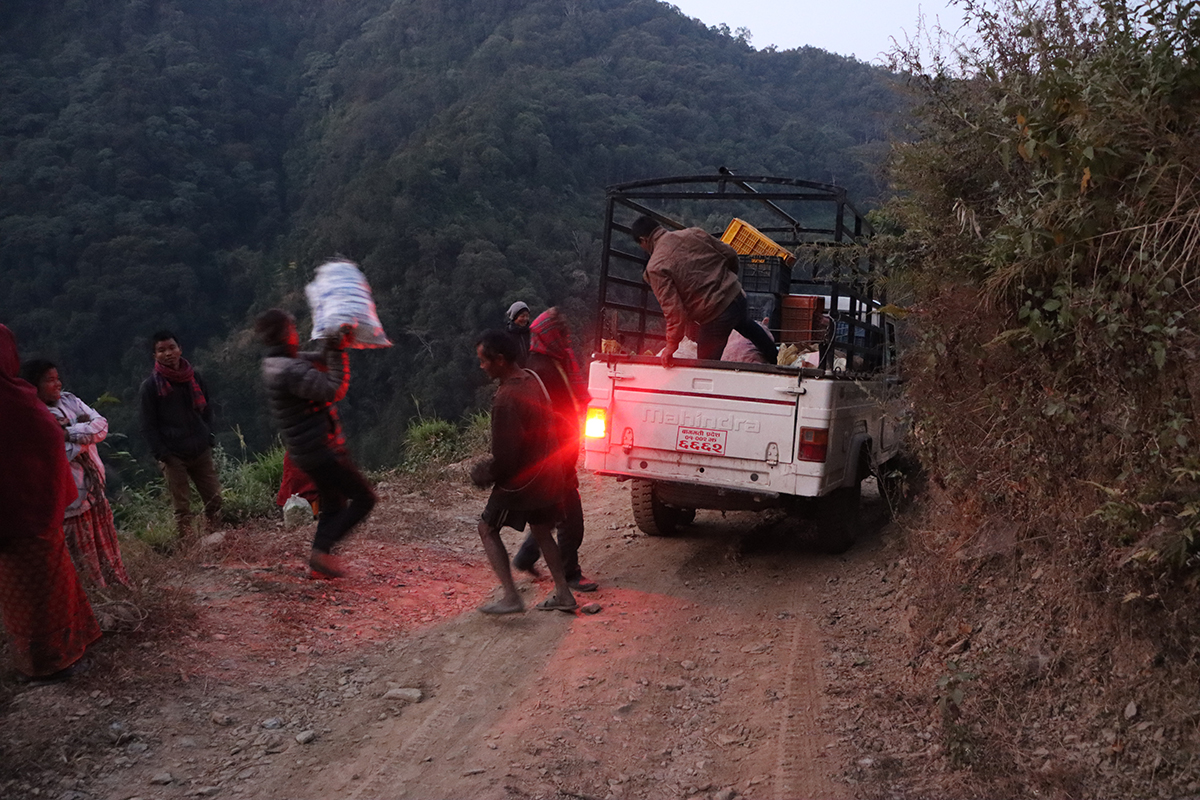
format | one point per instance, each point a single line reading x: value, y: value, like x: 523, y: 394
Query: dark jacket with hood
x: 302, y: 398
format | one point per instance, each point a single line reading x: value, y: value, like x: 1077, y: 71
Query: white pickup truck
x: 729, y: 435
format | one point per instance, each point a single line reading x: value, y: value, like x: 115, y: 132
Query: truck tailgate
x: 702, y: 411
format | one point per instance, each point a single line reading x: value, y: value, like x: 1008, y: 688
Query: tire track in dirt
x: 801, y: 772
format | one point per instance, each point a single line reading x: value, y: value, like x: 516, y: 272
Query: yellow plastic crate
x: 749, y: 241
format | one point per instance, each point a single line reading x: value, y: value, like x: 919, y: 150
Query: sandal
x: 551, y: 603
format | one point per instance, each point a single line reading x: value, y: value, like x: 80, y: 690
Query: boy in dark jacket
x: 176, y: 420
x: 526, y: 471
x: 302, y: 399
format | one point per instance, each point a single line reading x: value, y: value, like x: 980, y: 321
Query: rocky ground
x: 732, y: 661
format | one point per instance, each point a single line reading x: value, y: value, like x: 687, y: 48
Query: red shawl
x: 550, y: 336
x: 295, y: 481
x: 35, y: 479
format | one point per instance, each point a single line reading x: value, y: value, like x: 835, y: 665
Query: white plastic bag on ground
x: 296, y: 512
x: 340, y: 295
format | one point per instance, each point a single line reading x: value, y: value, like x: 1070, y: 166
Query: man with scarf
x: 551, y: 357
x: 177, y: 418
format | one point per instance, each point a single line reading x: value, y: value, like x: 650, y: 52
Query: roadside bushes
x: 249, y: 484
x: 1050, y: 228
x: 248, y: 488
x: 1047, y: 225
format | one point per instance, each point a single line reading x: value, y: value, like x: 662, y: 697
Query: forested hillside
x: 184, y: 164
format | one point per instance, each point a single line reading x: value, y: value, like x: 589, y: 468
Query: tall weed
x: 145, y: 512
x: 249, y: 485
x: 432, y: 442
x: 476, y: 435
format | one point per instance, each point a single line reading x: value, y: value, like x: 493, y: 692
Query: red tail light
x: 596, y: 426
x: 814, y: 444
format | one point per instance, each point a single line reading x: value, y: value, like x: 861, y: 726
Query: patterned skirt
x: 50, y: 623
x: 92, y: 540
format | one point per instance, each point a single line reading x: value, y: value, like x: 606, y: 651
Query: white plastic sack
x: 296, y: 512
x: 340, y: 295
x: 686, y: 349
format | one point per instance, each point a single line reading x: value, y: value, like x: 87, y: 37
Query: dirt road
x: 710, y: 670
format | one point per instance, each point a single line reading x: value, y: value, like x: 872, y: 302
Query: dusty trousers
x: 201, y: 471
x: 345, y: 500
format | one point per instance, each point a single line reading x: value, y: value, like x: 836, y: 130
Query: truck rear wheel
x: 653, y: 516
x: 838, y: 518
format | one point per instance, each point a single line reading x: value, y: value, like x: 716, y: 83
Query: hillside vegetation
x: 1048, y: 227
x: 184, y: 165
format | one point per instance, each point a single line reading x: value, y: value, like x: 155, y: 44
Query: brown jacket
x: 693, y: 276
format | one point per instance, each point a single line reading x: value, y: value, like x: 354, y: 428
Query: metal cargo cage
x: 811, y: 226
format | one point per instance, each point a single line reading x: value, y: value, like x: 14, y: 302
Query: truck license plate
x: 701, y: 440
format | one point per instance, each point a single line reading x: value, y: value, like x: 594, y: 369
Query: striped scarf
x: 164, y: 376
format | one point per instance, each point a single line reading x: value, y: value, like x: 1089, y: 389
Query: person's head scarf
x: 516, y: 308
x: 550, y: 336
x: 35, y: 479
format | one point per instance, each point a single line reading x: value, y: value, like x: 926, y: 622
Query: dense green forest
x: 186, y: 163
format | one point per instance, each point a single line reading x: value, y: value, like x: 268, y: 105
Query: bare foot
x: 503, y: 606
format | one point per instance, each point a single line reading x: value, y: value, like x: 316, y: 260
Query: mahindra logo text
x: 712, y: 420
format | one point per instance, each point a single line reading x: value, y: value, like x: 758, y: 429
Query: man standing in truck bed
x: 694, y: 277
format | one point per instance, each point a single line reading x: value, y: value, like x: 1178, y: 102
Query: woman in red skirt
x: 49, y: 621
x: 90, y: 532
